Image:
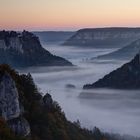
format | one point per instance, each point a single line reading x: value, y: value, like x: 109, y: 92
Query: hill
x: 125, y: 53
x: 125, y: 77
x: 25, y: 50
x: 104, y: 37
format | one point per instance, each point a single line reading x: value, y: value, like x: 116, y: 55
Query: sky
x: 68, y: 14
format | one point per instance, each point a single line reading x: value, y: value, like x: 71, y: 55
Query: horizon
x: 68, y: 15
x: 125, y: 27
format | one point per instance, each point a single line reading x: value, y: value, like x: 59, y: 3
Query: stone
x: 9, y: 104
x: 47, y: 99
x: 10, y: 108
x: 19, y: 126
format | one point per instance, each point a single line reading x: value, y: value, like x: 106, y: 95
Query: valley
x: 96, y: 107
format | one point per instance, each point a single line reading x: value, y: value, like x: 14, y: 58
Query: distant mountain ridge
x: 53, y: 36
x: 24, y: 50
x: 108, y: 37
x: 125, y: 77
x: 125, y: 53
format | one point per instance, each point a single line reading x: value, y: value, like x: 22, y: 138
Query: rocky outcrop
x: 9, y: 106
x: 106, y: 37
x: 47, y: 100
x: 125, y: 77
x: 125, y: 53
x: 25, y: 50
x: 19, y: 126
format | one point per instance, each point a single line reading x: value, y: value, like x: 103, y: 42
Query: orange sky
x: 68, y: 14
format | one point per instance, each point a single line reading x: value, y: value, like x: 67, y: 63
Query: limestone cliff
x: 9, y: 105
x: 106, y: 37
x: 25, y: 50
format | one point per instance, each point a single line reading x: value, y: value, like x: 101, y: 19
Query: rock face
x: 47, y: 100
x: 24, y: 50
x: 125, y: 77
x: 9, y: 106
x: 104, y: 37
x: 20, y: 126
x: 125, y: 53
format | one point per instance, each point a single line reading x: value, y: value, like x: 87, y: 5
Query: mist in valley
x: 115, y: 111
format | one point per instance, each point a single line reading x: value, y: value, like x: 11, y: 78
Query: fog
x: 116, y: 111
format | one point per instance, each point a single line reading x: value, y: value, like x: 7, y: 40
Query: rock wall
x: 25, y: 50
x: 15, y: 43
x: 20, y: 126
x: 2, y: 44
x: 9, y: 106
x: 104, y: 36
